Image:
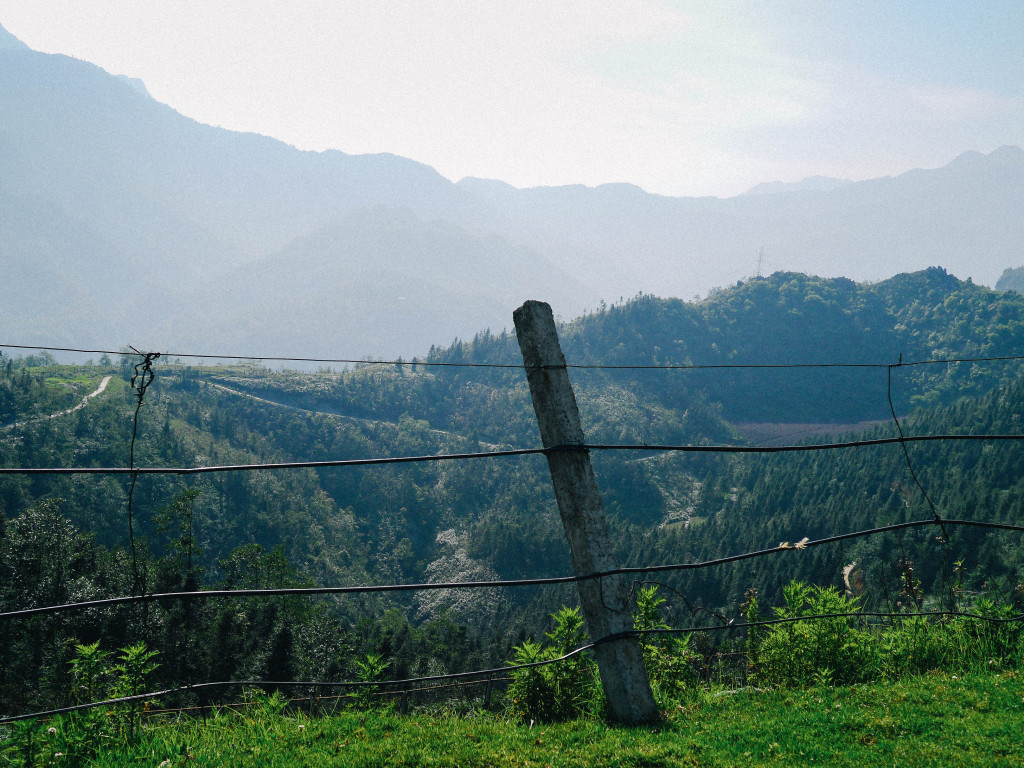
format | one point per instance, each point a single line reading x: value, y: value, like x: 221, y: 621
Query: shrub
x: 556, y: 691
x: 913, y: 646
x: 369, y: 670
x: 668, y: 658
x: 134, y: 666
x: 819, y: 651
x: 978, y: 644
x: 76, y: 738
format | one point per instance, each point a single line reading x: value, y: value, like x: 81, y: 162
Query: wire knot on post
x: 143, y: 375
x: 563, y: 447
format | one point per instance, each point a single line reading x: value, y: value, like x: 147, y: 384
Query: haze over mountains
x: 122, y: 221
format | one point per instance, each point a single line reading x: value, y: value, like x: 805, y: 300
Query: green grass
x: 64, y: 376
x: 936, y: 720
x: 81, y: 381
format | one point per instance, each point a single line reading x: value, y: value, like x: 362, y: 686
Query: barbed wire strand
x: 903, y: 444
x: 272, y: 465
x: 694, y: 610
x: 281, y: 683
x: 726, y: 366
x: 582, y: 366
x: 496, y: 454
x: 498, y: 583
x: 315, y: 698
x: 920, y: 487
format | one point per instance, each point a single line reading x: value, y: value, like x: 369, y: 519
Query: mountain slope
x: 96, y: 145
x: 61, y: 279
x: 174, y: 214
x: 797, y: 319
x: 171, y: 207
x: 381, y: 274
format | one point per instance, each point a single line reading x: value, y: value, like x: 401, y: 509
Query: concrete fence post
x: 605, y: 602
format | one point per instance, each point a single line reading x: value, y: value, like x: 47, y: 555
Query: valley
x: 487, y: 519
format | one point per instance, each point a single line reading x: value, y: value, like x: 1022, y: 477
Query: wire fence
x: 498, y: 673
x: 403, y: 686
x: 464, y: 364
x: 798, y: 448
x: 499, y: 583
x: 493, y: 673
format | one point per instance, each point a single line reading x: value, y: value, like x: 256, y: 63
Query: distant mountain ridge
x: 174, y: 208
x: 796, y: 319
x: 810, y: 184
x: 396, y: 289
x: 146, y: 227
x: 1011, y: 280
x: 964, y: 216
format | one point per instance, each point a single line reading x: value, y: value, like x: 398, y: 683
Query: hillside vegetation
x: 64, y: 538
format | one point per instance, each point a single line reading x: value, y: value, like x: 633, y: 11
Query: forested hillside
x: 65, y: 539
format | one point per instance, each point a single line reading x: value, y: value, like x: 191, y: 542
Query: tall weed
x: 556, y: 691
x: 76, y: 738
x: 816, y: 651
x: 668, y: 658
x: 834, y: 650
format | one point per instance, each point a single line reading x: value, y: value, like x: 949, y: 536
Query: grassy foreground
x: 938, y: 720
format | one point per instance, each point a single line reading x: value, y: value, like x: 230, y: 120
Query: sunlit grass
x: 937, y: 720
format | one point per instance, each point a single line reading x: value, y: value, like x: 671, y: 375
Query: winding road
x: 355, y: 419
x: 85, y: 401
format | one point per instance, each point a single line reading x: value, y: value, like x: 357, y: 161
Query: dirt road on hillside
x: 85, y: 401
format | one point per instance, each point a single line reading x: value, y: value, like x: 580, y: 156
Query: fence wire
x: 502, y: 454
x: 416, y: 362
x: 498, y: 583
x: 902, y: 440
x: 485, y: 673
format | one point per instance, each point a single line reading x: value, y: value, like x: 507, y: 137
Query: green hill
x: 65, y: 538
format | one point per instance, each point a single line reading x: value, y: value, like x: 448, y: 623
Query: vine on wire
x: 142, y: 377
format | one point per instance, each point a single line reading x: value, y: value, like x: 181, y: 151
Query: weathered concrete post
x: 605, y: 601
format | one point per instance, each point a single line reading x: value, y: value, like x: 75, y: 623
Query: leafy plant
x: 752, y: 615
x: 823, y: 650
x: 913, y: 646
x: 80, y: 735
x: 264, y: 709
x: 554, y: 691
x: 369, y: 669
x: 668, y: 658
x: 135, y: 664
x: 979, y: 643
x: 89, y: 673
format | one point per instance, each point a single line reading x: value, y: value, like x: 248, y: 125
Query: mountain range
x: 124, y: 222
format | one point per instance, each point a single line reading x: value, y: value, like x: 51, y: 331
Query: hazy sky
x: 682, y: 98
